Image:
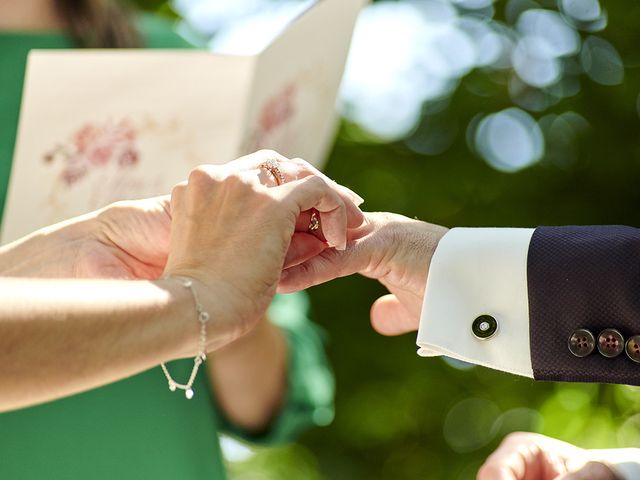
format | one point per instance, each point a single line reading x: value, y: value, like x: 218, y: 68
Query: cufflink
x: 582, y: 342
x: 484, y: 327
x: 632, y: 348
x: 610, y: 343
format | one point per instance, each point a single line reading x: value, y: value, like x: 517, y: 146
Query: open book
x: 97, y: 126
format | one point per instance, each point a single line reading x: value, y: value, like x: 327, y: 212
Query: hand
x: 130, y: 239
x: 231, y: 234
x: 529, y: 456
x: 392, y: 249
x: 126, y: 240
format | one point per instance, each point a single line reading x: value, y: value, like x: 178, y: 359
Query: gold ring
x: 273, y: 168
x: 314, y: 221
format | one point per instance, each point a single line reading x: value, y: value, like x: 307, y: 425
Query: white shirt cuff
x: 479, y: 271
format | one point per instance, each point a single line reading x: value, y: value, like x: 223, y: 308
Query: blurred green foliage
x: 402, y: 417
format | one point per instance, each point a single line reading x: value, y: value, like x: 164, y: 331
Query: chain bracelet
x: 203, y: 318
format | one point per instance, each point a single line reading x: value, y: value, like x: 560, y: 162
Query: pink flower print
x: 85, y: 137
x: 73, y: 172
x: 96, y: 145
x: 99, y: 154
x: 278, y: 110
x: 128, y: 157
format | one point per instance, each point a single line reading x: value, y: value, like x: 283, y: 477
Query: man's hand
x: 392, y: 249
x: 529, y: 456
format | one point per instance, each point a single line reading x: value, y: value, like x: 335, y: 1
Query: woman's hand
x: 529, y: 456
x: 231, y: 233
x: 126, y: 240
x: 392, y: 249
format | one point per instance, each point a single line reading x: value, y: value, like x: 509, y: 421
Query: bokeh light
x: 601, y: 61
x: 582, y: 10
x: 551, y: 31
x: 407, y: 55
x: 470, y: 424
x: 509, y: 140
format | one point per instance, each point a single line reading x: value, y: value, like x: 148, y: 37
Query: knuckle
x: 237, y: 180
x: 178, y: 190
x: 234, y: 178
x: 316, y: 182
x: 267, y: 152
x: 489, y: 472
x: 200, y: 177
x: 301, y: 162
x: 514, y: 437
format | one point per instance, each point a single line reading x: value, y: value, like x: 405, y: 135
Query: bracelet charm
x: 203, y: 318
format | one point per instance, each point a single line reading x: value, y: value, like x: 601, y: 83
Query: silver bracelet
x: 203, y: 318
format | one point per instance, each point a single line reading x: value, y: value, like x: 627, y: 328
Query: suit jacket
x: 564, y: 302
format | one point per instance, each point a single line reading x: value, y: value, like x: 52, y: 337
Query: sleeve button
x: 610, y: 343
x: 633, y: 348
x: 582, y: 342
x: 485, y: 326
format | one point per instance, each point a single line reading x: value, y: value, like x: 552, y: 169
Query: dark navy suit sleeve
x: 583, y: 278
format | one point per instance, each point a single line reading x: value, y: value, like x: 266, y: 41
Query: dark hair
x: 99, y: 23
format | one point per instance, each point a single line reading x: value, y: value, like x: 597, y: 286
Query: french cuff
x: 625, y: 461
x: 476, y: 272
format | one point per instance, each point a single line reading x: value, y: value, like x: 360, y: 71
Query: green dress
x: 137, y: 428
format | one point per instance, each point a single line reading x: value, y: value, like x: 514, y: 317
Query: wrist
x: 221, y: 328
x: 411, y: 246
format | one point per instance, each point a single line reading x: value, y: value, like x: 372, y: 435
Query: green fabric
x: 136, y: 428
x: 309, y: 398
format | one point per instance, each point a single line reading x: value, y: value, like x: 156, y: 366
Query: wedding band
x: 273, y: 168
x: 314, y: 221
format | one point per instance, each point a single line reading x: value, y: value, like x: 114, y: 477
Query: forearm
x: 62, y: 337
x: 49, y: 252
x: 249, y: 376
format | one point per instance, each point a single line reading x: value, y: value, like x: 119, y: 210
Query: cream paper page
x: 102, y: 126
x: 293, y: 105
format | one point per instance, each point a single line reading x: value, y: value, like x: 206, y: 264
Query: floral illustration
x: 276, y: 112
x: 96, y: 145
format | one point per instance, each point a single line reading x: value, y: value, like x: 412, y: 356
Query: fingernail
x: 357, y: 199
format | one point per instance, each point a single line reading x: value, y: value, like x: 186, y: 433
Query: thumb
x: 389, y: 317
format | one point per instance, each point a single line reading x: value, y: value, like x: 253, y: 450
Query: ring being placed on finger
x: 314, y: 221
x: 273, y: 168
